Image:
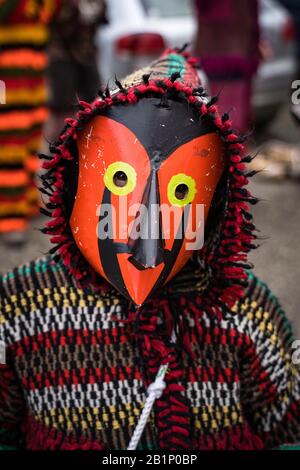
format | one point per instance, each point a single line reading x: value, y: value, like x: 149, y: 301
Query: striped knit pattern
x: 75, y: 377
x: 168, y: 63
x: 23, y: 37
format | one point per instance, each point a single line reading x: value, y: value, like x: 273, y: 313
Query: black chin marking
x: 108, y: 251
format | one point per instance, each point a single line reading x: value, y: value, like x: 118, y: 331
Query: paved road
x: 277, y: 261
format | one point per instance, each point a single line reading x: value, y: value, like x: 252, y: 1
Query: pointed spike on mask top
x: 199, y: 91
x: 175, y: 76
x: 248, y: 158
x: 107, y: 91
x: 119, y: 84
x: 212, y: 101
x: 146, y: 77
x: 183, y: 48
x: 101, y: 94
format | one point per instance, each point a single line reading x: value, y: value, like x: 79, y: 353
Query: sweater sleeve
x: 11, y: 396
x: 270, y: 370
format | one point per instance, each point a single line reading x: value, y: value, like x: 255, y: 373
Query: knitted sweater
x: 78, y: 366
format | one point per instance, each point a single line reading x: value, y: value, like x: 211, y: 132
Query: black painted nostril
x: 136, y: 264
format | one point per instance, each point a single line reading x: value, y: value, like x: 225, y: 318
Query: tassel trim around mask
x: 223, y: 256
x: 226, y: 256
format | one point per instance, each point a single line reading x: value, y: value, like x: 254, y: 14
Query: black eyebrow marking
x: 160, y: 130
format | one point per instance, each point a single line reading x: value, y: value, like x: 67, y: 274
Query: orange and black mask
x: 146, y: 172
x: 127, y: 176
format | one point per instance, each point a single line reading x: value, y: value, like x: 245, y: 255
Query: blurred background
x: 53, y: 51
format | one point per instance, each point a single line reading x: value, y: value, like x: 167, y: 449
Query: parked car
x: 139, y: 30
x: 273, y: 82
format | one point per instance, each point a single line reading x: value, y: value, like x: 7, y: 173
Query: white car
x: 272, y: 86
x: 138, y: 30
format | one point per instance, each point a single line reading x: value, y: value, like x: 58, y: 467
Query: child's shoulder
x: 38, y: 274
x: 261, y: 313
x: 41, y: 295
x: 32, y: 286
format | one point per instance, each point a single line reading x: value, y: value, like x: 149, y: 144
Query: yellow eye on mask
x: 134, y: 242
x: 181, y: 190
x: 120, y: 178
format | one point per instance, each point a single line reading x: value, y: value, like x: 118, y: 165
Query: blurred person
x: 294, y: 8
x: 278, y: 158
x: 23, y: 60
x: 104, y: 323
x: 73, y: 71
x: 228, y: 43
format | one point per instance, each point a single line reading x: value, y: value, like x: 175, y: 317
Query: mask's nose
x: 145, y: 240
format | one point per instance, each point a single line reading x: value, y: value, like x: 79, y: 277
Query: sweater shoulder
x: 44, y: 285
x: 41, y: 295
x: 38, y: 274
x: 32, y: 285
x: 261, y: 313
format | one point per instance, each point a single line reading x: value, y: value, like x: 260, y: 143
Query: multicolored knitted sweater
x: 78, y: 363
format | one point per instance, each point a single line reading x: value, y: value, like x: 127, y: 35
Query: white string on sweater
x: 155, y: 391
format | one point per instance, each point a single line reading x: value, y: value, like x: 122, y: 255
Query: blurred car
x: 273, y: 81
x: 139, y: 30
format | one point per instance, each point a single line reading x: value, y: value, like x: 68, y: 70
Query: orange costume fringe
x: 23, y: 61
